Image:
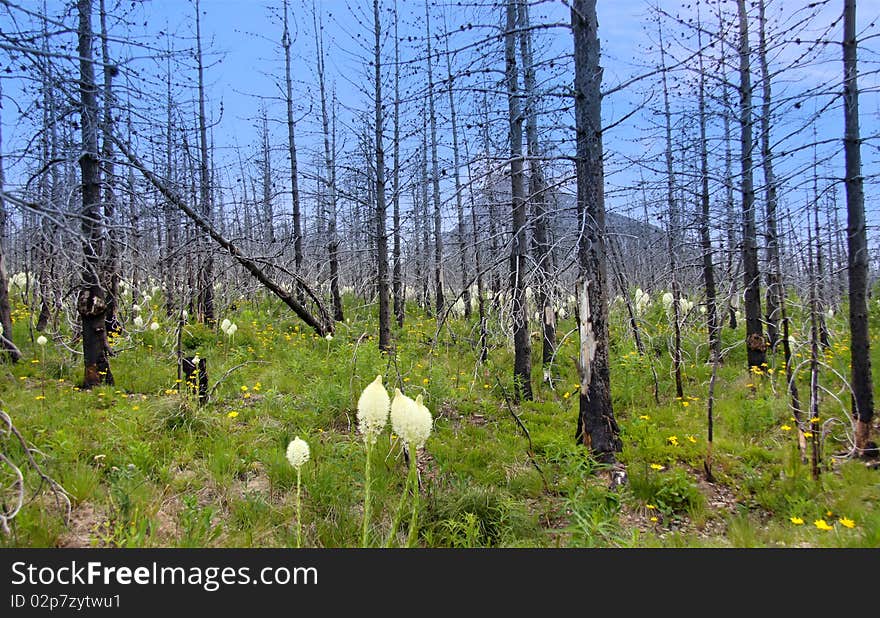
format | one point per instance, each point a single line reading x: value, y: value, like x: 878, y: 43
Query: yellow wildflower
x: 797, y: 521
x: 821, y: 524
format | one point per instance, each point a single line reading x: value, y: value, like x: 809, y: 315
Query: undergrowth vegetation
x: 146, y: 466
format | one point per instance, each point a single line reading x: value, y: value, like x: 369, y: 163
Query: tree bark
x: 755, y: 344
x: 597, y: 428
x: 205, y: 300
x: 522, y: 363
x: 381, y: 235
x: 92, y: 301
x: 857, y: 240
x: 435, y: 173
x: 291, y: 145
x: 538, y: 198
x: 772, y: 235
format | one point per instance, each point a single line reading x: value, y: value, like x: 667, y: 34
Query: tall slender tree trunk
x: 111, y: 247
x: 772, y: 235
x: 705, y: 238
x: 857, y: 240
x: 92, y: 301
x: 381, y: 234
x: 397, y: 287
x: 205, y: 300
x: 291, y: 145
x: 435, y: 172
x: 538, y: 198
x: 672, y: 229
x: 731, y: 220
x: 330, y: 168
x: 755, y: 343
x: 597, y: 428
x: 522, y: 347
x: 459, y: 205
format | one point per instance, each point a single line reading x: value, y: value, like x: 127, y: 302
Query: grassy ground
x: 146, y: 467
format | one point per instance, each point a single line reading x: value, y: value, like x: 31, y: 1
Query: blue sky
x: 241, y: 41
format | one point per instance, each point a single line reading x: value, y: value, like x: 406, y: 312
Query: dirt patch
x: 85, y: 519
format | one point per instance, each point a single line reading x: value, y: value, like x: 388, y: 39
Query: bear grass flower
x: 298, y: 455
x: 412, y: 421
x: 298, y: 452
x: 154, y: 326
x: 372, y: 410
x: 41, y: 340
x: 373, y: 407
x: 138, y: 322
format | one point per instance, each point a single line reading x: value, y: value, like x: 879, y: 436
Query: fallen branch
x: 321, y: 326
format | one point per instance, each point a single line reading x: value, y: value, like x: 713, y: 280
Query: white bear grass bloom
x: 298, y: 455
x: 411, y: 420
x: 372, y: 415
x: 138, y: 322
x: 41, y: 340
x: 225, y: 324
x: 372, y: 410
x: 154, y: 326
x: 298, y: 452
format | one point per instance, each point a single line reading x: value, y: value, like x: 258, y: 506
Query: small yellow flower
x: 406, y: 379
x: 655, y: 466
x: 685, y: 403
x: 246, y: 396
x: 846, y: 522
x: 645, y: 417
x: 39, y: 397
x: 425, y: 380
x: 135, y: 408
x: 232, y: 414
x: 814, y: 420
x: 566, y: 395
x: 797, y: 521
x: 692, y: 440
x: 785, y: 428
x: 673, y: 440
x: 244, y: 388
x: 650, y: 507
x: 750, y: 385
x: 821, y: 524
x: 654, y: 520
x: 808, y: 434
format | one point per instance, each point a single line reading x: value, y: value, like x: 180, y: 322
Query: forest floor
x: 145, y: 466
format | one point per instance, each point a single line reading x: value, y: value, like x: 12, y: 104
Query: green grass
x: 145, y: 466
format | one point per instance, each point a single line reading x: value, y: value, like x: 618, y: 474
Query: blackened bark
x: 597, y: 427
x: 91, y: 302
x: 772, y: 235
x: 537, y: 198
x: 522, y: 347
x: 755, y: 344
x: 381, y: 208
x: 705, y: 238
x: 857, y: 238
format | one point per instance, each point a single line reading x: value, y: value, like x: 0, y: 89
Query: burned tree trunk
x: 597, y: 428
x: 755, y: 344
x: 857, y: 237
x: 92, y: 301
x: 522, y: 363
